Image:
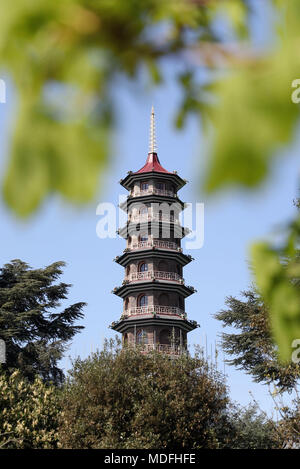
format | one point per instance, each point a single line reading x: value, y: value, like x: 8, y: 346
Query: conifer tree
x: 34, y: 333
x: 252, y: 345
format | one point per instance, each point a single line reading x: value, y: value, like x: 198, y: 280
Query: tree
x: 253, y: 346
x: 35, y: 335
x: 28, y: 413
x: 123, y: 399
x: 252, y: 429
x: 288, y: 428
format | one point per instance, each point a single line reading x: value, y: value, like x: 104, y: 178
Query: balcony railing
x: 156, y: 274
x: 156, y: 243
x: 154, y: 217
x: 155, y: 309
x: 153, y: 191
x: 164, y: 348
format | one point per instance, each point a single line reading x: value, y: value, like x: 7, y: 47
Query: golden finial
x: 152, y: 144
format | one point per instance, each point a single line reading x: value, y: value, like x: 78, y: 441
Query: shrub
x: 28, y: 413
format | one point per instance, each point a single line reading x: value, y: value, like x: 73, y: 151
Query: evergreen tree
x: 35, y: 335
x: 253, y: 347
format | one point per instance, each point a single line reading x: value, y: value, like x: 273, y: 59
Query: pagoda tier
x: 153, y: 171
x: 151, y: 195
x: 155, y: 249
x: 153, y: 289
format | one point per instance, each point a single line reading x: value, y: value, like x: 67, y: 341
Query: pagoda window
x: 143, y: 267
x: 144, y: 186
x: 160, y: 186
x: 143, y: 300
x: 141, y: 337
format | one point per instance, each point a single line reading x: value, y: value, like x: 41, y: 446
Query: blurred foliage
x: 255, y: 115
x: 28, y: 413
x: 277, y: 272
x: 65, y: 59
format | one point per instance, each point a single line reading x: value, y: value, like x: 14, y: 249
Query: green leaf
x: 281, y: 296
x: 255, y: 115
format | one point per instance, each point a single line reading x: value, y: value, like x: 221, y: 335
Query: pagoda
x: 153, y: 289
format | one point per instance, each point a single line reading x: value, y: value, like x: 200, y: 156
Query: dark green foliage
x: 124, y: 399
x: 253, y: 347
x: 35, y: 335
x: 251, y: 429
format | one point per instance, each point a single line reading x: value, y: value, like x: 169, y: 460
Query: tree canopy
x: 252, y: 344
x: 34, y: 333
x: 123, y: 399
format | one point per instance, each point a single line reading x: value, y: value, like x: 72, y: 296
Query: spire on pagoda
x: 152, y: 142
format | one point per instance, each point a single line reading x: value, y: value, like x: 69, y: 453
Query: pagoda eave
x: 125, y: 324
x: 153, y: 252
x: 151, y: 285
x: 150, y: 198
x: 132, y: 177
x: 132, y: 227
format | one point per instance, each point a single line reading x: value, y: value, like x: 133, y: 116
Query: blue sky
x: 233, y: 219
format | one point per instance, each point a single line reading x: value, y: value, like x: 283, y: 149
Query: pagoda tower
x: 153, y: 290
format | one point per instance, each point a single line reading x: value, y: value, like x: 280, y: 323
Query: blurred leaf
x: 87, y: 45
x: 282, y: 297
x: 50, y: 155
x: 255, y: 115
x: 237, y: 13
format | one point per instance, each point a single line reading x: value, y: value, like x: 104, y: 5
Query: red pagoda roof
x: 152, y: 164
